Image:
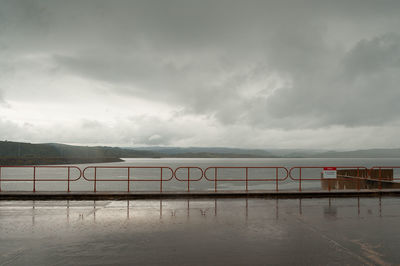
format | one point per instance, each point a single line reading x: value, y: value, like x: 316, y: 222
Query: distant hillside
x: 18, y: 149
x: 371, y: 153
x: 271, y: 153
x: 17, y: 153
x: 26, y: 153
x: 208, y: 152
x: 52, y: 160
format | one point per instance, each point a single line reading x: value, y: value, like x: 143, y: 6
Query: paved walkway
x: 120, y: 195
x: 323, y: 231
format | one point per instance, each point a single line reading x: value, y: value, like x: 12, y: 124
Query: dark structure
x: 361, y: 179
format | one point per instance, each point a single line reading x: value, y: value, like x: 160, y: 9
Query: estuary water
x: 148, y: 179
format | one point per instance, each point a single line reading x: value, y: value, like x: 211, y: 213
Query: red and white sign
x: 329, y: 172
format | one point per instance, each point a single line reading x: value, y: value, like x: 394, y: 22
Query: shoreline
x: 55, y: 161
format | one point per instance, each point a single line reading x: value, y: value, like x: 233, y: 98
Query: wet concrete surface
x: 119, y: 195
x: 325, y: 231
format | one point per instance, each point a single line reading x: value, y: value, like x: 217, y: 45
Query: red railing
x: 300, y: 177
x: 188, y: 179
x: 35, y: 178
x: 380, y: 168
x: 190, y: 174
x: 128, y: 177
x: 246, y: 179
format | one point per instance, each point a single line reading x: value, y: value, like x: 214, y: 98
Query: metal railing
x: 380, y: 177
x: 188, y: 179
x: 301, y: 178
x: 35, y: 178
x: 215, y: 175
x: 128, y: 178
x: 246, y: 178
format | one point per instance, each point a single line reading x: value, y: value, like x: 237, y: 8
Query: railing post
x: 247, y: 179
x: 129, y: 174
x: 215, y: 180
x: 34, y: 179
x: 276, y: 186
x: 329, y: 182
x: 69, y: 174
x: 95, y: 178
x: 160, y: 179
x: 380, y: 178
x: 358, y: 178
x: 188, y: 179
x: 300, y: 180
x: 0, y: 178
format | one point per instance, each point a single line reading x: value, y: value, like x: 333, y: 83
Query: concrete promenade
x: 235, y: 231
x: 110, y: 195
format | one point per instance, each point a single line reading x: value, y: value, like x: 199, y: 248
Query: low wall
x: 380, y: 174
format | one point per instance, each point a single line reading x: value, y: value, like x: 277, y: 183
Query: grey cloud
x: 361, y: 88
x: 324, y: 89
x: 134, y: 131
x: 336, y: 63
x: 296, y: 48
x: 374, y: 56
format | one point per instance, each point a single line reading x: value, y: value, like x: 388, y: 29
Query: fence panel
x: 128, y: 177
x: 246, y: 177
x: 35, y: 174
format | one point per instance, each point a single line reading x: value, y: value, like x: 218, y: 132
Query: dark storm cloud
x: 376, y: 55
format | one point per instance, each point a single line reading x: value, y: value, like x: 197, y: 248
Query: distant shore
x: 52, y: 161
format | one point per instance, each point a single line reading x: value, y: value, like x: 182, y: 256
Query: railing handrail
x: 128, y: 179
x: 34, y: 179
x: 189, y: 168
x: 247, y: 167
x: 189, y: 175
x: 128, y: 167
x: 188, y: 180
x: 384, y: 167
x: 42, y: 166
x: 322, y: 167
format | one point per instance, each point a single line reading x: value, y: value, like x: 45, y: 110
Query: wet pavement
x: 325, y: 231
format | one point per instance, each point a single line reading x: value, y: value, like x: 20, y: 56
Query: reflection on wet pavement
x: 361, y: 231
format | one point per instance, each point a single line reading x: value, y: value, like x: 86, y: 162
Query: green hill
x: 17, y: 153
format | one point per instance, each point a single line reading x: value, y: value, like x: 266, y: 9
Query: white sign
x: 329, y: 172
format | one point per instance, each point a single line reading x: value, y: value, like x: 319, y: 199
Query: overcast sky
x: 255, y: 74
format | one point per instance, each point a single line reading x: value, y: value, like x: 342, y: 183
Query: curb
x: 193, y: 195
